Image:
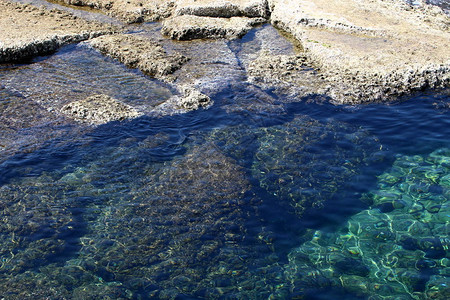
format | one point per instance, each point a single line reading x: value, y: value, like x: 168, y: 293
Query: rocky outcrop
x: 193, y: 99
x: 222, y: 8
x: 188, y: 99
x: 370, y: 50
x: 133, y: 11
x: 192, y: 27
x: 99, y: 109
x: 289, y: 74
x: 28, y: 31
x: 130, y: 11
x: 139, y: 52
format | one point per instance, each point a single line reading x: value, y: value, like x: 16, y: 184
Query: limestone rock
x: 193, y: 99
x: 189, y: 99
x: 290, y: 74
x: 222, y: 8
x: 139, y: 52
x: 193, y: 27
x: 29, y: 31
x: 130, y: 11
x: 370, y: 50
x: 99, y: 109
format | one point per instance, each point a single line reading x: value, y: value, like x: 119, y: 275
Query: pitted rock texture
x: 193, y: 99
x: 27, y: 31
x: 223, y: 8
x: 130, y: 11
x: 99, y: 109
x: 193, y: 27
x: 133, y: 11
x: 189, y: 99
x: 290, y: 74
x: 139, y: 52
x: 370, y: 50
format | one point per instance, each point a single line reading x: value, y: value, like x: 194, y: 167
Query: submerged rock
x: 26, y: 125
x: 99, y: 109
x: 293, y: 164
x: 139, y: 52
x: 189, y: 27
x: 178, y: 230
x: 397, y: 252
x: 34, y: 224
x: 303, y: 162
x: 28, y: 31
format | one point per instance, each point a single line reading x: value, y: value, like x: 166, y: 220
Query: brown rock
x: 130, y: 11
x: 139, y: 52
x: 222, y: 8
x: 99, y: 109
x: 27, y: 31
x: 370, y: 50
x: 189, y: 27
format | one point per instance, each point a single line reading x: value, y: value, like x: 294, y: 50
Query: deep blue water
x: 217, y: 204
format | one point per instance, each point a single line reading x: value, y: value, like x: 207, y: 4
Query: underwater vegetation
x: 396, y: 249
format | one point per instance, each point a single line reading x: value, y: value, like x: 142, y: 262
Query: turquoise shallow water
x: 308, y: 201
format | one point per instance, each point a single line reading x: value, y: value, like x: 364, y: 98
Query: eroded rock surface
x: 222, y: 8
x: 130, y: 11
x: 133, y: 11
x: 193, y: 99
x: 99, y: 109
x: 289, y: 74
x: 28, y: 31
x: 140, y: 52
x: 188, y: 27
x: 370, y: 50
x: 189, y: 99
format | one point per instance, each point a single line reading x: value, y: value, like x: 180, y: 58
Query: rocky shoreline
x: 361, y: 51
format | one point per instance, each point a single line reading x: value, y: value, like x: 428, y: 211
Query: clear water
x: 308, y: 201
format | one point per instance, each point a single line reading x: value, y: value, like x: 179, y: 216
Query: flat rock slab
x: 139, y: 52
x: 99, y: 109
x: 222, y: 8
x: 188, y: 27
x: 130, y: 11
x: 370, y: 50
x: 286, y: 74
x: 27, y: 31
x: 133, y: 11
